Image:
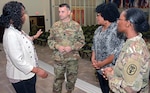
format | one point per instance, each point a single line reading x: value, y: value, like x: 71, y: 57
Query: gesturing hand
x: 38, y: 34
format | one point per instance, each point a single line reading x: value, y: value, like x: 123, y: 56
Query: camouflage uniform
x: 132, y: 68
x: 65, y: 34
x: 148, y: 46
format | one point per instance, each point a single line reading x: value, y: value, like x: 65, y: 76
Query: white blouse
x: 20, y: 54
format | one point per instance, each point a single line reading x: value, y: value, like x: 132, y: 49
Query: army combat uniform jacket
x: 66, y: 34
x: 132, y: 68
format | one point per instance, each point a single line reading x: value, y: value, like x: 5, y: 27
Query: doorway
x: 36, y: 23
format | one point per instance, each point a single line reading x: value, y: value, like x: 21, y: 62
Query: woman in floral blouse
x: 106, y: 41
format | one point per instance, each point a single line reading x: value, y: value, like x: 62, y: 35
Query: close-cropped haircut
x: 138, y: 18
x: 108, y: 11
x: 64, y: 4
x: 12, y: 14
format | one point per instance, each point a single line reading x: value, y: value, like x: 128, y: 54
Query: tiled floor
x: 86, y: 73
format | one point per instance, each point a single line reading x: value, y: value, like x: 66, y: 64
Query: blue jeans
x: 103, y: 83
x: 25, y: 86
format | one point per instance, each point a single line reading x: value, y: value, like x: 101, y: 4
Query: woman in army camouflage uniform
x: 131, y: 72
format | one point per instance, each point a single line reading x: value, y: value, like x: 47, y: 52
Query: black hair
x: 64, y: 4
x: 138, y: 18
x: 108, y: 11
x: 12, y: 14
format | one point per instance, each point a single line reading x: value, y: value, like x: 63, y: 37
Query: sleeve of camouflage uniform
x: 51, y: 39
x: 80, y: 40
x: 131, y: 80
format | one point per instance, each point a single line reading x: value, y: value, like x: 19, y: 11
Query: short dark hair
x: 108, y: 11
x: 138, y: 18
x: 12, y: 11
x: 64, y: 4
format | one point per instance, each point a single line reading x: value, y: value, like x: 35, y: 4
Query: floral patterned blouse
x: 106, y: 43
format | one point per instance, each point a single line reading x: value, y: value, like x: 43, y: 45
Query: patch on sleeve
x: 131, y: 70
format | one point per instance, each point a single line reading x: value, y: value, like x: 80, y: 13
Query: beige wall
x: 42, y: 7
x: 79, y: 8
x: 34, y: 8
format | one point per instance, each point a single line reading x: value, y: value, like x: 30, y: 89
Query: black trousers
x: 25, y: 86
x: 103, y: 83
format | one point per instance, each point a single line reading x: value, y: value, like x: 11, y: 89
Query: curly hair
x: 12, y: 14
x: 108, y: 11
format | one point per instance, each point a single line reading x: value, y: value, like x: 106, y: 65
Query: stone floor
x: 86, y: 73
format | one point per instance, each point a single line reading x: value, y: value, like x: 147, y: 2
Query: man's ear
x: 69, y: 12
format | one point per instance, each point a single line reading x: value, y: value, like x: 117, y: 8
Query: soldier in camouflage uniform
x: 131, y: 72
x: 66, y: 39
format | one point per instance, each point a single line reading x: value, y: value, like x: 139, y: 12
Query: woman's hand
x: 40, y: 72
x: 38, y: 34
x: 94, y: 62
x: 97, y: 64
x: 107, y: 72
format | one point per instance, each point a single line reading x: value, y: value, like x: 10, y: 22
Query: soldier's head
x: 133, y: 19
x: 64, y: 12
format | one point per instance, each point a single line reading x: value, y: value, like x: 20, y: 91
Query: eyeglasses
x: 121, y: 19
x: 131, y: 21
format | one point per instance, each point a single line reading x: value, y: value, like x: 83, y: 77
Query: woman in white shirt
x: 22, y: 66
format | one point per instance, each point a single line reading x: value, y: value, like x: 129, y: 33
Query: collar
x: 13, y: 28
x: 139, y: 36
